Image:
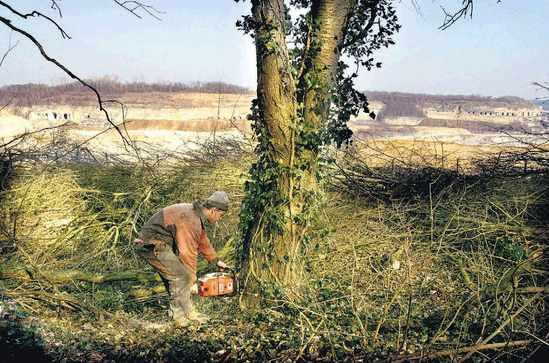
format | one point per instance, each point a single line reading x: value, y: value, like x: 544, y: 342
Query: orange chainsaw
x: 217, y: 284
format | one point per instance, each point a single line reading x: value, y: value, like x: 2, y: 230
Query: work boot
x: 197, y: 317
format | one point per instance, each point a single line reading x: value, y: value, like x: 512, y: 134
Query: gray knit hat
x: 218, y: 200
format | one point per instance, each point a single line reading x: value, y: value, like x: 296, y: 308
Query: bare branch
x: 6, y: 105
x: 35, y: 13
x: 134, y: 6
x: 10, y: 48
x: 450, y: 18
x: 466, y: 9
x: 27, y: 134
x: 453, y: 352
x: 100, y: 101
x: 541, y: 85
x: 55, y: 6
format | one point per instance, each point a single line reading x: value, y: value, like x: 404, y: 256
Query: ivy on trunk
x: 305, y: 97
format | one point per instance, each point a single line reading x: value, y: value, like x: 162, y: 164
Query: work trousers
x: 177, y: 278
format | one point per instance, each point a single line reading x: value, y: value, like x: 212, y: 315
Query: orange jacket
x: 184, y: 224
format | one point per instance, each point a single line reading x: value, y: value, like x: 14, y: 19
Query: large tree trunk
x: 273, y: 256
x: 270, y: 250
x: 320, y: 70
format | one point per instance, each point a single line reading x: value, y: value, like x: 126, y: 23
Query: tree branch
x: 100, y: 101
x: 541, y: 85
x: 35, y: 13
x: 451, y: 352
x: 10, y: 48
x: 450, y: 18
x: 134, y: 6
x: 55, y: 6
x: 364, y: 32
x: 27, y: 134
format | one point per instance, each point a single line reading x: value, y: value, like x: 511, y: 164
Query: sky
x: 500, y: 51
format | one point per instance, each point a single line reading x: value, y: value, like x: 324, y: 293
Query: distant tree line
x: 74, y: 93
x: 398, y: 104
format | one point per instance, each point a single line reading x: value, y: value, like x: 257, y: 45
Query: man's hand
x: 222, y: 265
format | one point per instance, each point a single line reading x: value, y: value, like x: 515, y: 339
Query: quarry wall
x: 499, y: 115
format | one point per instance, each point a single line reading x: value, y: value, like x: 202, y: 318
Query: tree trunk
x: 271, y: 255
x: 317, y: 85
x: 284, y: 179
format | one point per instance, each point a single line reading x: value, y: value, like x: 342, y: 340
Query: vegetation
x: 75, y: 94
x: 397, y: 261
x: 398, y: 104
x: 438, y: 261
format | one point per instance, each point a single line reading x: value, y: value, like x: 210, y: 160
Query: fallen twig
x: 450, y: 352
x: 68, y: 276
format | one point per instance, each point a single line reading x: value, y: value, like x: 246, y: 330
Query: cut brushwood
x: 68, y: 276
x: 453, y: 352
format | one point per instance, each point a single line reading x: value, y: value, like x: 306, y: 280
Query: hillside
x: 176, y: 109
x: 74, y: 94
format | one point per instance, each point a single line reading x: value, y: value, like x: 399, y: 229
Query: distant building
x: 502, y: 115
x: 86, y: 119
x: 50, y: 116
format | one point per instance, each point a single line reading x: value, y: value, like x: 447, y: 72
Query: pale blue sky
x: 499, y: 52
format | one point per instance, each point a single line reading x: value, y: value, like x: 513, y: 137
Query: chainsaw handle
x: 228, y: 269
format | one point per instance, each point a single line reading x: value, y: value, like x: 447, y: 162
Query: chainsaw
x: 217, y: 284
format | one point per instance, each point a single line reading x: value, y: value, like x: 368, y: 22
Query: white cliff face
x: 497, y: 115
x: 403, y: 121
x: 173, y: 120
x: 170, y: 107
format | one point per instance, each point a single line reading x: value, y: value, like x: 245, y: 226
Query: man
x: 171, y: 240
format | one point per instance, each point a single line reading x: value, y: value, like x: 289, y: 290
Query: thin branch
x: 10, y: 48
x: 6, y: 105
x: 134, y: 6
x: 100, y: 101
x: 451, y: 18
x: 35, y: 13
x: 541, y: 85
x: 501, y: 327
x: 55, y: 6
x: 27, y: 134
x: 452, y: 352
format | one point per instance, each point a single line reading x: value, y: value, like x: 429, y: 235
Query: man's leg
x: 177, y: 278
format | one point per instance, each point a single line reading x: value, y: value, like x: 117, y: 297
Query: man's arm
x: 206, y: 249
